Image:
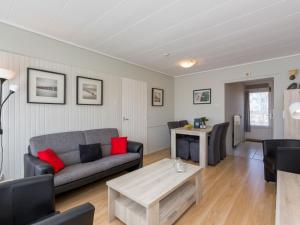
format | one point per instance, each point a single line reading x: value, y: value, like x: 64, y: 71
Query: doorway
x: 249, y: 106
x: 134, y: 110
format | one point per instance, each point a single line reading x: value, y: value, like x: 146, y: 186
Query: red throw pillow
x: 48, y: 155
x: 118, y: 145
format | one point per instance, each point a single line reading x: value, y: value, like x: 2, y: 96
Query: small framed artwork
x: 89, y: 91
x: 45, y: 87
x: 157, y: 97
x: 202, y: 96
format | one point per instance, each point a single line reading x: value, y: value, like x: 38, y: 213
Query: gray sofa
x: 75, y: 173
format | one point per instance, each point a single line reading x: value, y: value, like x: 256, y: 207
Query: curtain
x: 247, y: 125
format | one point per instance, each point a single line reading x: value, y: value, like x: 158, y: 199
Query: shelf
x: 171, y: 207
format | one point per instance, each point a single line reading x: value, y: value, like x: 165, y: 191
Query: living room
x: 79, y: 74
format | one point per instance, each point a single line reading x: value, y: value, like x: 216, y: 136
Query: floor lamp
x: 4, y: 76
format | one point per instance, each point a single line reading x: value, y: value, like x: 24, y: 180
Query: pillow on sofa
x: 89, y: 153
x: 48, y: 155
x: 118, y: 145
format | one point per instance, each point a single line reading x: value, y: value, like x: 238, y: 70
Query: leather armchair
x: 79, y: 215
x: 270, y: 155
x: 31, y: 201
x: 288, y: 159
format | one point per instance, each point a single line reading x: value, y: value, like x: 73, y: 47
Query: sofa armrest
x: 134, y: 147
x: 83, y: 214
x: 34, y: 167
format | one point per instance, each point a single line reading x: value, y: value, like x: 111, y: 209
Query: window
x: 259, y: 108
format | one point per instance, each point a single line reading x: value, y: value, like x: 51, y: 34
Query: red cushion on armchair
x: 118, y: 145
x: 48, y: 155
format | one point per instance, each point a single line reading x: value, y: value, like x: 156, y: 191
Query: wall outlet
x: 1, y: 177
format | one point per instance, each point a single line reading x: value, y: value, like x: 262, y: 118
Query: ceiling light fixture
x: 188, y: 63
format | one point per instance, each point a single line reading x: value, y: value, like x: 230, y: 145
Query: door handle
x: 125, y: 119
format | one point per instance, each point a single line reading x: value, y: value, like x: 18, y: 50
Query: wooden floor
x: 234, y: 193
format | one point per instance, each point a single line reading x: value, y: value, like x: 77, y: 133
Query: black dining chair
x: 288, y: 159
x: 182, y: 123
x: 223, y: 140
x: 214, y: 144
x: 182, y: 143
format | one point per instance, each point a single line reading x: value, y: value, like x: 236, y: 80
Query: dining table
x: 202, y: 133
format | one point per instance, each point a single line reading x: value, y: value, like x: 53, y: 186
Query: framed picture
x: 45, y: 87
x: 89, y: 91
x: 202, y: 96
x: 157, y: 97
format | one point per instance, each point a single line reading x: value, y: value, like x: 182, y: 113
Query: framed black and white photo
x: 45, y: 87
x: 89, y: 91
x: 157, y: 97
x: 202, y: 96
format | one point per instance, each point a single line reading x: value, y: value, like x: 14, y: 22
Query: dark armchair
x: 31, y: 201
x: 288, y: 159
x: 270, y: 155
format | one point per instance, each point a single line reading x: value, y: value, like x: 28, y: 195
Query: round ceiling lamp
x: 187, y: 63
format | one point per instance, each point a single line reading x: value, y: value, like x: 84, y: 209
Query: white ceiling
x: 217, y: 33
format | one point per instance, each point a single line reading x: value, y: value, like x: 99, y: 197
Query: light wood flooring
x: 234, y: 193
x: 248, y: 149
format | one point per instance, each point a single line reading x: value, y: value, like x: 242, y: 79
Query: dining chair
x: 182, y: 143
x: 214, y: 144
x: 182, y: 123
x: 223, y: 140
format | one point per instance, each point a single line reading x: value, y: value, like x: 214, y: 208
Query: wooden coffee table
x: 155, y: 194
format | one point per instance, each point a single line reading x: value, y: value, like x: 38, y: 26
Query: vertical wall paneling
x: 22, y: 120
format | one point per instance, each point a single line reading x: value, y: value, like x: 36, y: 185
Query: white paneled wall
x: 22, y: 120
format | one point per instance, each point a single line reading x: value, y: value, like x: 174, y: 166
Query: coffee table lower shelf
x: 170, y: 208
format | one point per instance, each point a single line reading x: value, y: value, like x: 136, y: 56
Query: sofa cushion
x: 118, y: 145
x: 90, y: 153
x: 82, y: 170
x: 65, y: 145
x: 49, y: 156
x: 102, y: 136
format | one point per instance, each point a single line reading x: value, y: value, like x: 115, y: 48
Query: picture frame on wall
x: 202, y: 96
x: 89, y: 91
x: 45, y: 87
x: 157, y: 97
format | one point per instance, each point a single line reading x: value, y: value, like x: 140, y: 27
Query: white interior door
x: 134, y: 110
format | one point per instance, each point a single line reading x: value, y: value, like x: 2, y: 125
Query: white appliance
x: 292, y: 114
x: 237, y: 133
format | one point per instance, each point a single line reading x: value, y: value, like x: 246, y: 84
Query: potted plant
x: 203, y: 121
